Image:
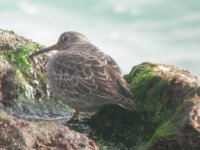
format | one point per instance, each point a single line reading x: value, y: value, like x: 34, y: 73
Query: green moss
x: 155, y: 102
x: 26, y: 103
x: 164, y: 131
x: 151, y: 93
x: 20, y: 57
x: 168, y: 129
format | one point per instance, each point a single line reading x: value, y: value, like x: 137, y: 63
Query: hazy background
x: 130, y: 31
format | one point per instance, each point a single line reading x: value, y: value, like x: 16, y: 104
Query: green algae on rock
x: 23, y: 82
x: 20, y: 58
x: 161, y: 94
x: 162, y: 101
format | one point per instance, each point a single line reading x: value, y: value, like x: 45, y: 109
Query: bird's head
x: 66, y: 39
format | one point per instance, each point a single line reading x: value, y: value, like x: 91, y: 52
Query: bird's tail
x: 127, y: 103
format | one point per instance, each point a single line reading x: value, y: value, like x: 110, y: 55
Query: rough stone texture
x: 185, y: 125
x: 11, y: 62
x: 18, y: 134
x: 10, y: 41
x: 185, y: 122
x: 22, y: 81
x: 8, y: 81
x: 179, y: 102
x: 167, y: 117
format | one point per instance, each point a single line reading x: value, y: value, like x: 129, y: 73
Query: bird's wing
x: 86, y: 74
x: 111, y: 63
x: 121, y: 85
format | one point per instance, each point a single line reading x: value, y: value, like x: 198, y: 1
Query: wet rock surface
x: 19, y: 134
x: 166, y: 97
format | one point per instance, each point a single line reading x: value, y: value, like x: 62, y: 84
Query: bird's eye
x: 64, y: 39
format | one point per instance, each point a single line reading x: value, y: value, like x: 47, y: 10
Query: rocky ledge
x: 167, y: 100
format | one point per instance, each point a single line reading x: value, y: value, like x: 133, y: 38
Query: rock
x: 8, y: 81
x: 18, y: 134
x: 167, y: 117
x: 22, y: 81
x: 167, y: 97
x: 10, y: 41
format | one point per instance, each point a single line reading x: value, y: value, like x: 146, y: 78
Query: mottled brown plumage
x: 83, y: 77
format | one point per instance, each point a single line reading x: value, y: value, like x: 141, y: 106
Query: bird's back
x: 82, y: 72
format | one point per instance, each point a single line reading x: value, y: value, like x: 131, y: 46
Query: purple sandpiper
x: 83, y: 77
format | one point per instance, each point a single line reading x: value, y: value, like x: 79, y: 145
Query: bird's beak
x: 43, y: 50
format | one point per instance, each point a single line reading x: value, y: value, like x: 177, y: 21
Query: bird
x: 83, y: 77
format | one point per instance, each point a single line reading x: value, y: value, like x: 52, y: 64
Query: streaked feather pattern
x: 83, y: 77
x: 84, y: 71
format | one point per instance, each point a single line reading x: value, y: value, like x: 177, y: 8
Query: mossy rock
x: 23, y: 83
x: 161, y: 93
